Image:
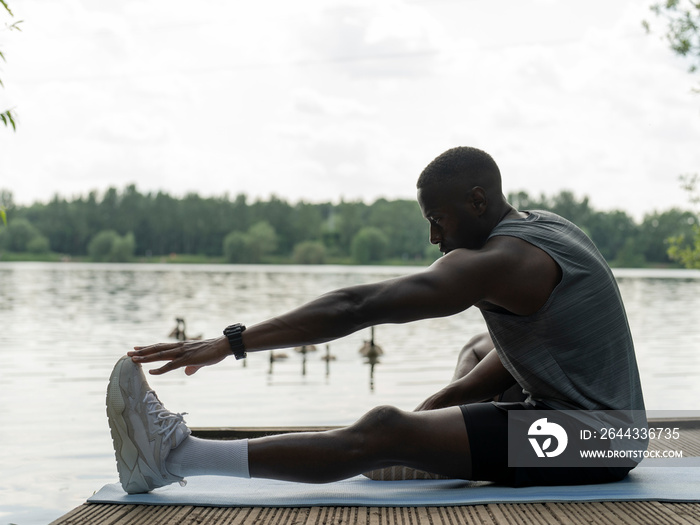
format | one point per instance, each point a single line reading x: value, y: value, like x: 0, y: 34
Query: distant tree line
x: 127, y: 225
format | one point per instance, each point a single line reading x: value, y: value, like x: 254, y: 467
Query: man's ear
x: 479, y: 200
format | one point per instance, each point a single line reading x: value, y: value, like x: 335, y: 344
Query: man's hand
x: 193, y: 355
x: 442, y: 399
x: 485, y: 381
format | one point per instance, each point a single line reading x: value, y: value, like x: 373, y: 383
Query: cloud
x: 310, y: 101
x: 379, y: 39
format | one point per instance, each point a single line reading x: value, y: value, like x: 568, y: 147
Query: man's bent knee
x: 480, y: 343
x: 476, y: 349
x: 380, y: 430
x: 382, y: 418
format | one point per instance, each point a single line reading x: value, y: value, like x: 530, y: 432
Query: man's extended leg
x: 434, y: 441
x: 153, y: 447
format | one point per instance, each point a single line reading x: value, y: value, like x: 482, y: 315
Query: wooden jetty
x: 603, y: 513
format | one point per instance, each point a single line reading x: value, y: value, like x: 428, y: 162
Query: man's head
x: 463, y: 166
x: 461, y: 197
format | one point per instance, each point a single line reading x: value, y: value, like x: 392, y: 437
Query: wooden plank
x: 423, y: 515
x: 518, y: 514
x: 484, y: 513
x: 602, y: 513
x: 689, y: 512
x: 318, y: 515
x: 610, y: 513
x: 406, y: 516
x: 469, y: 515
x: 641, y: 512
x: 584, y: 513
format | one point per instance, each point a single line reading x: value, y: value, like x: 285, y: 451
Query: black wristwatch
x: 234, y: 335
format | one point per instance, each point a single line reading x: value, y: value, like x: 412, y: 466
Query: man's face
x: 453, y: 222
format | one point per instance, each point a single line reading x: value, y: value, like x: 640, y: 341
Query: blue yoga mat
x: 645, y: 483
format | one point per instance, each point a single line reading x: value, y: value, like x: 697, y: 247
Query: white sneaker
x: 143, y: 431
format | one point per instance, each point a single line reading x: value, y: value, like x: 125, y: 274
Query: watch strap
x: 234, y: 335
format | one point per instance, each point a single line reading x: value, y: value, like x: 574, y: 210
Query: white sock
x: 197, y: 457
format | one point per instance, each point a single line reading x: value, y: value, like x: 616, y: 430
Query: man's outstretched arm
x: 452, y: 284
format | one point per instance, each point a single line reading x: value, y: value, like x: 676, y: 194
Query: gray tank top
x: 576, y: 352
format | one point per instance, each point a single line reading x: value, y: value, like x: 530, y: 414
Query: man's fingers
x: 172, y: 365
x: 189, y: 354
x: 155, y: 352
x: 159, y: 371
x: 143, y: 350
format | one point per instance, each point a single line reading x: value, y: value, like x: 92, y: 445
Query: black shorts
x: 487, y: 430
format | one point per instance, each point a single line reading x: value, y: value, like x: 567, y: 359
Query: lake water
x: 63, y: 326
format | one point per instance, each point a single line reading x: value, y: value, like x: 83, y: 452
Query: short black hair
x: 459, y: 165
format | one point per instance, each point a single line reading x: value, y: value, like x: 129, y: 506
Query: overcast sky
x: 327, y: 99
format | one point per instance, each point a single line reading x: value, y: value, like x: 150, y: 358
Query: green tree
x: 403, y: 225
x: 5, y: 205
x: 252, y: 246
x: 236, y: 248
x: 683, y: 35
x: 682, y: 28
x: 687, y: 252
x: 63, y: 223
x: 18, y: 235
x: 309, y: 252
x: 628, y: 256
x: 613, y: 232
x: 101, y: 245
x: 262, y: 240
x: 7, y: 116
x: 687, y: 255
x: 658, y: 227
x: 109, y: 246
x: 349, y: 218
x: 164, y: 222
x: 123, y: 248
x: 567, y: 205
x: 38, y: 245
x: 279, y: 215
x: 307, y: 222
x: 369, y: 245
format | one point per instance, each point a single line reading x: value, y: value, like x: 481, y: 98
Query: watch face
x: 234, y: 328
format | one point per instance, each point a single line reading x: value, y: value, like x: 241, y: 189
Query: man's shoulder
x: 507, y: 245
x: 500, y: 254
x: 511, y: 273
x: 533, y: 219
x: 541, y: 228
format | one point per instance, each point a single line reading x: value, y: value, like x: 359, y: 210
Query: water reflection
x: 328, y: 358
x: 369, y: 350
x: 180, y: 331
x: 303, y: 351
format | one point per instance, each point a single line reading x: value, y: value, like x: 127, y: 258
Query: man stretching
x: 556, y: 327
